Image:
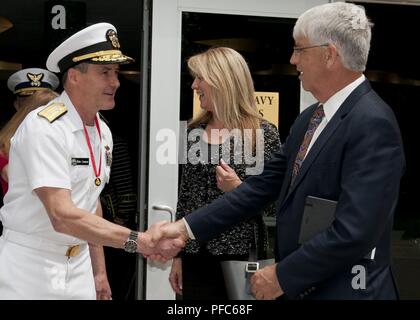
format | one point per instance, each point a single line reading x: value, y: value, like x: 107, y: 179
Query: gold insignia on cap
x: 112, y: 58
x: 54, y: 111
x: 28, y: 91
x: 111, y: 35
x: 35, y: 79
x: 97, y: 54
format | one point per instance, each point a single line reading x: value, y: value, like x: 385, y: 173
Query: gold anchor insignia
x: 112, y: 36
x: 35, y: 79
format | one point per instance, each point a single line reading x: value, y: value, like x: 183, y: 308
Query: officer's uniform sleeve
x: 41, y: 146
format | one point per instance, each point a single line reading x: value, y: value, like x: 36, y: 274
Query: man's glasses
x: 298, y: 50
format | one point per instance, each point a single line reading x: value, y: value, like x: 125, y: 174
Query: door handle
x: 168, y: 209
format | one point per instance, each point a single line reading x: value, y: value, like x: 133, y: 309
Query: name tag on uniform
x: 79, y: 161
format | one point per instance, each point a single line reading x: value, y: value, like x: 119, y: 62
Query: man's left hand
x: 265, y: 285
x: 103, y: 290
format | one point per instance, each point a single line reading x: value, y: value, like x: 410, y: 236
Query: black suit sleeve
x: 240, y: 204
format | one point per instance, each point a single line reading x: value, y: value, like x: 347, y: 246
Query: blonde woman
x: 229, y: 117
x: 27, y: 104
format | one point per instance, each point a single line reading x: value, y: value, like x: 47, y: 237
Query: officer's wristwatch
x: 130, y: 245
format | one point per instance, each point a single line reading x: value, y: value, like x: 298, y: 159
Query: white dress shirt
x: 332, y: 105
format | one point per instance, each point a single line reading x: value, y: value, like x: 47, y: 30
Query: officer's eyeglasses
x: 298, y: 50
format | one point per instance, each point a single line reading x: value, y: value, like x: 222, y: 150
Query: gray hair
x: 343, y: 24
x: 82, y: 67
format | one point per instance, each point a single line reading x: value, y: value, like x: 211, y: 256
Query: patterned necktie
x: 313, y: 124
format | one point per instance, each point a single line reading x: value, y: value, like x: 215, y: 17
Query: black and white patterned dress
x: 198, y: 187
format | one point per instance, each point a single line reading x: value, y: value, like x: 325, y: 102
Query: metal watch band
x: 133, y: 235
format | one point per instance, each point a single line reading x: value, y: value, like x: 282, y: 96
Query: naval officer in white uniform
x: 60, y: 159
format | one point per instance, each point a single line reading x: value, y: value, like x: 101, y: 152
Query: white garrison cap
x: 25, y: 82
x: 97, y: 43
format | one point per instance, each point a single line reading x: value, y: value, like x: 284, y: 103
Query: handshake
x: 163, y: 240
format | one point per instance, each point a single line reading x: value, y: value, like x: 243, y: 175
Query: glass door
x: 181, y: 28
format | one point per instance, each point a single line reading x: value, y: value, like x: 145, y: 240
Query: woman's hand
x: 175, y: 277
x: 227, y: 180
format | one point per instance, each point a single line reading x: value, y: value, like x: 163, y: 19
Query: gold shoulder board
x: 54, y: 111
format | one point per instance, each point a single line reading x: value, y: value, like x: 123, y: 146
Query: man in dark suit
x: 346, y: 148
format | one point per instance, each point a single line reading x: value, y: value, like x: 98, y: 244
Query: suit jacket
x: 358, y: 161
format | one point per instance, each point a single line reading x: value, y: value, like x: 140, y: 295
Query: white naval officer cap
x: 97, y: 44
x: 25, y: 82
